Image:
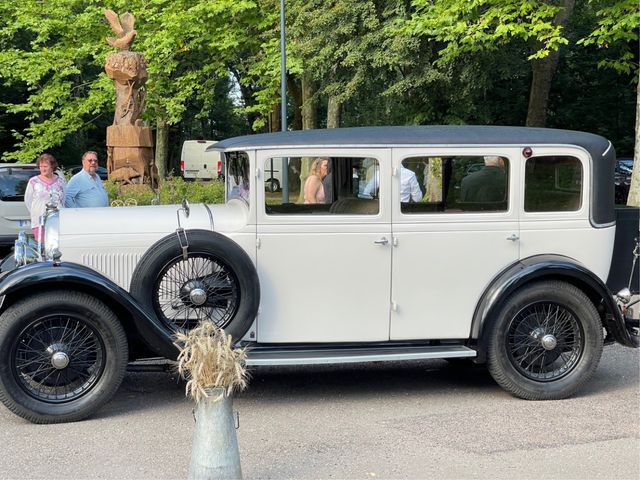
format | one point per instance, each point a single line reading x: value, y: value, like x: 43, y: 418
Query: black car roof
x: 417, y: 135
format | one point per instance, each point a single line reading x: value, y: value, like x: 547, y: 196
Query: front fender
x: 546, y: 267
x: 65, y: 275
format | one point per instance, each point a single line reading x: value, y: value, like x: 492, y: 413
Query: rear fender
x: 546, y: 267
x: 46, y: 275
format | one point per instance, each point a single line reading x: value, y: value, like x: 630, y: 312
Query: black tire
x: 272, y: 185
x: 63, y: 354
x: 165, y: 283
x: 546, y: 342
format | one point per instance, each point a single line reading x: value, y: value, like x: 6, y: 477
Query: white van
x: 195, y: 162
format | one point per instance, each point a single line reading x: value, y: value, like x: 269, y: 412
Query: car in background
x: 198, y: 163
x: 622, y: 179
x: 102, y: 172
x: 14, y: 216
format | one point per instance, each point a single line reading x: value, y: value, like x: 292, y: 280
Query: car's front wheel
x: 546, y: 342
x: 63, y: 354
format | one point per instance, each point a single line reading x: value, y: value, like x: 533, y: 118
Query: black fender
x: 546, y: 267
x: 35, y: 277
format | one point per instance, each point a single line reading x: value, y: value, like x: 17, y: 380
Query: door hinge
x: 258, y: 242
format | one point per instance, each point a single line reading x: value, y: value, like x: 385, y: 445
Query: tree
x: 618, y: 25
x: 470, y: 27
x: 187, y: 44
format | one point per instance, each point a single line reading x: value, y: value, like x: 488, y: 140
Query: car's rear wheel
x: 62, y: 355
x: 546, y: 342
x: 214, y: 280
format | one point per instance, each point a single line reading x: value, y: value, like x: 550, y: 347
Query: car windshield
x: 13, y: 182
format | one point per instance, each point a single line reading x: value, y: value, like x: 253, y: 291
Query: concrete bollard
x: 215, y: 453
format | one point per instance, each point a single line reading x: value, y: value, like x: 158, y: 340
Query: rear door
x: 450, y: 242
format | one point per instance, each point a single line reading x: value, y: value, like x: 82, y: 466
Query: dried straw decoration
x: 208, y: 360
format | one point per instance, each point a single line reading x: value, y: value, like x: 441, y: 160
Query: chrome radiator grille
x: 118, y: 267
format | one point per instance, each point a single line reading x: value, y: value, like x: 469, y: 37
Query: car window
x: 552, y: 184
x: 454, y: 184
x: 322, y: 186
x: 13, y: 182
x: 237, y: 176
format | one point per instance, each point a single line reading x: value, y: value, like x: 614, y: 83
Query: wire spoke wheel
x: 545, y: 341
x: 58, y: 358
x: 200, y: 288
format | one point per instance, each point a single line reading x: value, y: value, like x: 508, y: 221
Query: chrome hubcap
x: 197, y: 296
x: 549, y: 342
x: 60, y: 360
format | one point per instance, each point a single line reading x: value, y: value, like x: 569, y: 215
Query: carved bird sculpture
x: 123, y: 28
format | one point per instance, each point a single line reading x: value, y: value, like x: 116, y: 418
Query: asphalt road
x: 413, y: 420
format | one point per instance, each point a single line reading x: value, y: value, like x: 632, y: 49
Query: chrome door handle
x: 382, y: 241
x: 513, y: 237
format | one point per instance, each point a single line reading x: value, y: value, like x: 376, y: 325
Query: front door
x: 324, y: 247
x: 455, y: 227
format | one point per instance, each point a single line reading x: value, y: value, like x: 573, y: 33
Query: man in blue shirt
x: 85, y: 188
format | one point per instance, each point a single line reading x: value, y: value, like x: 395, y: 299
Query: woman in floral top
x: 39, y: 192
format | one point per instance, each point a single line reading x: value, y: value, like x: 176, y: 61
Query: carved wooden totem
x: 129, y: 144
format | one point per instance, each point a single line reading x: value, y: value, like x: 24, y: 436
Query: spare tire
x: 215, y: 280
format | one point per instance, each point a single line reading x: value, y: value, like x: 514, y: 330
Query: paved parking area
x: 414, y: 420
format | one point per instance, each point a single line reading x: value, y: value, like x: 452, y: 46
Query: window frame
x: 513, y: 156
x: 381, y: 155
x: 584, y: 213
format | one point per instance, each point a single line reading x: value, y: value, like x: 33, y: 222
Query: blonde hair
x: 316, y: 166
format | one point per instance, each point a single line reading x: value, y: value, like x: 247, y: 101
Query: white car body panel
x: 116, y: 246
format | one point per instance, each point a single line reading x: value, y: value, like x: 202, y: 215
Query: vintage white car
x: 492, y: 244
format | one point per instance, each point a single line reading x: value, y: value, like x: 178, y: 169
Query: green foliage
x: 171, y: 192
x: 475, y: 25
x: 618, y: 24
x: 384, y: 61
x: 57, y: 51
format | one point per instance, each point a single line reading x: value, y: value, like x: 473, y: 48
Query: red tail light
x: 219, y: 167
x: 182, y: 165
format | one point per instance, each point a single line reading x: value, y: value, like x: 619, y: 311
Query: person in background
x: 85, y: 188
x: 313, y: 188
x: 409, y: 186
x: 41, y: 189
x: 487, y: 184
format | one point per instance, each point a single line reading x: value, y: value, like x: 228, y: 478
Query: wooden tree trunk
x: 309, y: 112
x: 334, y: 110
x: 274, y: 119
x: 162, y: 146
x: 309, y: 122
x: 295, y: 94
x: 634, y: 190
x: 543, y: 71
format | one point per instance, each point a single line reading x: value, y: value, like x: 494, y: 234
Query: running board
x: 320, y: 356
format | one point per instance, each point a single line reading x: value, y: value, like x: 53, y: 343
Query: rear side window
x: 454, y: 184
x: 13, y: 183
x: 553, y: 184
x: 237, y: 176
x: 322, y: 186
